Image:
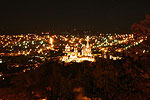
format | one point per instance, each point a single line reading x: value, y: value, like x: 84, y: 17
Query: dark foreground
x: 126, y: 79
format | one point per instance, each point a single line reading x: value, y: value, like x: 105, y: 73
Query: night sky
x: 60, y: 15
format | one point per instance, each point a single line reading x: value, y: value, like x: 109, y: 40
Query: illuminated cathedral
x: 75, y: 56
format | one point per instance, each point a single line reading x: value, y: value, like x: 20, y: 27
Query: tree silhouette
x: 142, y: 28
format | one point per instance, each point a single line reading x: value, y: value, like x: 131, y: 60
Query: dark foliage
x: 105, y: 79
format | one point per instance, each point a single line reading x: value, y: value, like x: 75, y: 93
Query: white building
x: 75, y: 55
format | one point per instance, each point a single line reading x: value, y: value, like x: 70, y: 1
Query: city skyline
x: 74, y: 50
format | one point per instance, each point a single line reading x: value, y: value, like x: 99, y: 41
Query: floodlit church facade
x: 75, y: 56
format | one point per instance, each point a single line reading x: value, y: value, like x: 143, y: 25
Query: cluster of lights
x: 15, y: 45
x: 35, y: 45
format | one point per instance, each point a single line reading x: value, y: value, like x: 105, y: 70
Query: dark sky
x: 60, y: 15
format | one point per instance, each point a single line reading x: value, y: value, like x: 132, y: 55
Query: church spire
x: 87, y: 39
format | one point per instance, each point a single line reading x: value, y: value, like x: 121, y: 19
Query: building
x: 75, y: 56
x: 86, y: 50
